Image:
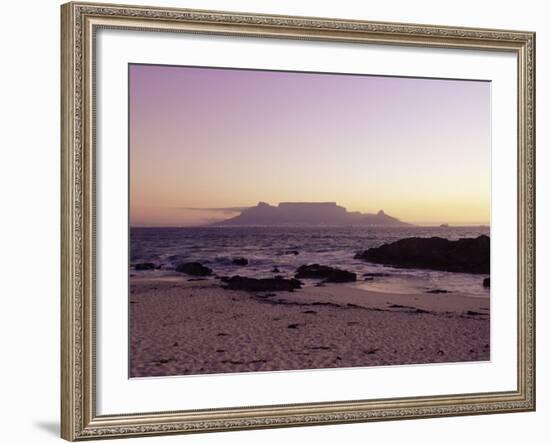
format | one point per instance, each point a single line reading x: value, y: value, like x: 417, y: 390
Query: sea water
x: 287, y: 248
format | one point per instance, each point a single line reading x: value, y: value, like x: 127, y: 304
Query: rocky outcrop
x: 144, y: 266
x: 239, y: 283
x: 327, y: 273
x: 194, y: 269
x: 240, y: 261
x: 376, y: 274
x: 487, y: 282
x: 470, y: 255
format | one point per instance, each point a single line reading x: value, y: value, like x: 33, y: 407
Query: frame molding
x: 79, y: 21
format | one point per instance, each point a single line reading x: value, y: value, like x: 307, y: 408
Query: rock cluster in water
x: 239, y: 283
x: 194, y: 268
x: 144, y: 266
x: 327, y: 273
x: 470, y: 255
x: 240, y: 261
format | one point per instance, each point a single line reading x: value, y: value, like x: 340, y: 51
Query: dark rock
x: 371, y: 351
x: 474, y: 313
x: 437, y: 291
x: 419, y: 311
x: 470, y: 255
x: 330, y: 275
x: 275, y: 270
x: 376, y: 274
x: 240, y: 261
x: 239, y: 283
x: 487, y: 282
x: 144, y: 266
x: 289, y: 252
x: 162, y: 361
x: 194, y: 268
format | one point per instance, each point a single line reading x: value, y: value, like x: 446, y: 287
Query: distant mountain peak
x: 309, y: 214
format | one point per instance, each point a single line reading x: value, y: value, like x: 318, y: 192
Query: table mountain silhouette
x: 310, y: 214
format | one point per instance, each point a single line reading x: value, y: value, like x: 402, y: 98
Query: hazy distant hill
x: 307, y: 214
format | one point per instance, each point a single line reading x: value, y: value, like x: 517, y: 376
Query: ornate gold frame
x: 79, y: 22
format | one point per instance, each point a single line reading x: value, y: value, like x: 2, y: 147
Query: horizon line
x: 410, y: 224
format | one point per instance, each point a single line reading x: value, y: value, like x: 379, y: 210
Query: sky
x: 207, y: 138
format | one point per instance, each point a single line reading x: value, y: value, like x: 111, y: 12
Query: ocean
x: 287, y: 248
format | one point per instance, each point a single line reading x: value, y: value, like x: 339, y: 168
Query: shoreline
x: 180, y: 327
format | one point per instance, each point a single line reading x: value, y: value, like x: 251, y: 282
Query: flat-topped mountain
x: 326, y: 213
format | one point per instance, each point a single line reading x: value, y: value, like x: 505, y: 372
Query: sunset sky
x: 218, y: 138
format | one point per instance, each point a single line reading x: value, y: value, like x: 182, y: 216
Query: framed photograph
x: 282, y: 221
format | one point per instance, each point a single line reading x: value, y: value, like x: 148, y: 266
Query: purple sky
x: 210, y: 138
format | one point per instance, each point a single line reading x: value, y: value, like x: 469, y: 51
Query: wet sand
x: 180, y: 327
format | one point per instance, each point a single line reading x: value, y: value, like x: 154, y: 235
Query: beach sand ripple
x: 180, y: 327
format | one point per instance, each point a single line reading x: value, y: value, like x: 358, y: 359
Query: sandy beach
x: 183, y: 327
